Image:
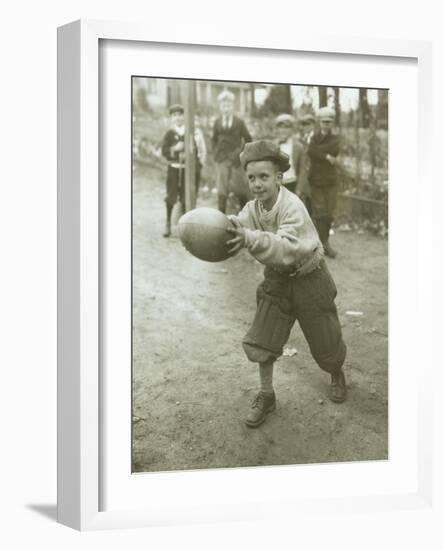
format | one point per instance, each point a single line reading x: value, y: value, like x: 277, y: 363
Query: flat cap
x: 264, y: 150
x: 176, y: 108
x: 226, y: 95
x: 285, y: 120
x: 307, y: 119
x: 326, y: 113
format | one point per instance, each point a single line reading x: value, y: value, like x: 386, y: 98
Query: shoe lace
x: 258, y: 401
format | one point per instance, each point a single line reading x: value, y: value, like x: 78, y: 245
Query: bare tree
x: 337, y: 105
x: 323, y: 96
x: 363, y: 105
x: 253, y: 106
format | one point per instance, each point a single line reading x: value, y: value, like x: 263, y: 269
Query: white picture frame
x: 79, y: 293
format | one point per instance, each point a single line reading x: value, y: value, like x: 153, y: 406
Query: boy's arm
x: 298, y: 154
x: 245, y: 132
x: 319, y: 151
x: 302, y: 175
x: 166, y: 146
x: 291, y: 246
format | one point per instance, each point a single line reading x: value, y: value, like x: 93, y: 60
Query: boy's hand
x: 331, y: 159
x: 238, y: 242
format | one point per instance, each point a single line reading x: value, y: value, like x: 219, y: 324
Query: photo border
x: 79, y: 259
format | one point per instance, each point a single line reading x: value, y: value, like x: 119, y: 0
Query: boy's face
x: 264, y: 178
x: 283, y: 132
x: 326, y: 125
x: 307, y: 127
x: 226, y: 107
x: 178, y: 118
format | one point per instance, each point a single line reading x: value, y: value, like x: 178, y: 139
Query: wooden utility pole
x: 357, y: 145
x: 190, y: 152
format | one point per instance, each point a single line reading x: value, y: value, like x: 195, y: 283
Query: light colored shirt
x: 284, y: 237
x: 201, y: 145
x: 227, y: 121
x: 287, y: 147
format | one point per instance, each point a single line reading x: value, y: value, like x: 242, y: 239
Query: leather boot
x: 263, y: 404
x: 337, y: 391
x: 329, y: 251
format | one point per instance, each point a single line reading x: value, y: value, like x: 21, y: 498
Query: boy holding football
x: 276, y: 229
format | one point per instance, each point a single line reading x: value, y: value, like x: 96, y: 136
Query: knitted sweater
x: 284, y: 237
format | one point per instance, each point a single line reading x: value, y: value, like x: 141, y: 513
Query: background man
x: 228, y: 139
x: 323, y: 150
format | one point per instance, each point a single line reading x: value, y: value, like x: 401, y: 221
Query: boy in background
x: 173, y: 146
x: 291, y: 146
x: 323, y: 150
x: 228, y: 139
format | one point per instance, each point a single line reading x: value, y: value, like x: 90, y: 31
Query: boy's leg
x: 167, y: 231
x: 323, y: 202
x: 264, y: 342
x: 331, y: 200
x: 172, y: 182
x: 264, y: 401
x: 222, y: 179
x: 314, y: 296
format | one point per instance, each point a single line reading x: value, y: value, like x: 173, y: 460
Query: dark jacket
x: 321, y: 171
x: 170, y: 139
x: 227, y: 143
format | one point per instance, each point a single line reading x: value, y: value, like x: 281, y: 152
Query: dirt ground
x: 192, y: 383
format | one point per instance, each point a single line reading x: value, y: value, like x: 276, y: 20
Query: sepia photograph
x: 259, y: 274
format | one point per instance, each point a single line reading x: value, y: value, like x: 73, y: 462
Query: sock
x: 266, y: 372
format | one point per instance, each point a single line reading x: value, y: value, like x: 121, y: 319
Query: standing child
x: 173, y: 146
x: 323, y: 151
x: 228, y: 138
x: 276, y: 229
x: 291, y: 146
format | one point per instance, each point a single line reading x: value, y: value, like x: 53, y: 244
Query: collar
x: 265, y: 212
x: 288, y: 141
x: 180, y: 130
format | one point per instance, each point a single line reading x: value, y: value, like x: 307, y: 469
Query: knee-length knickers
x: 308, y: 299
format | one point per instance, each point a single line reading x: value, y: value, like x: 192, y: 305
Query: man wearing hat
x: 323, y: 150
x: 291, y: 146
x: 228, y: 139
x: 276, y: 229
x: 173, y: 146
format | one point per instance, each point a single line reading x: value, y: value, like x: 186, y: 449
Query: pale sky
x: 348, y: 96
